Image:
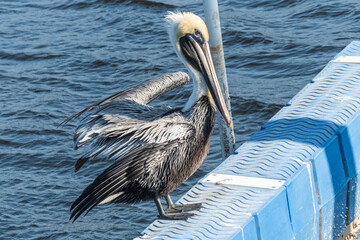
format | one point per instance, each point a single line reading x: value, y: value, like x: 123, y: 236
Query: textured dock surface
x: 295, y: 178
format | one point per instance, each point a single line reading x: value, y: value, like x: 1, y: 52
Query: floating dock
x: 296, y: 178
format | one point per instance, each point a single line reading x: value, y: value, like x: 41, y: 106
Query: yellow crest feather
x: 186, y: 22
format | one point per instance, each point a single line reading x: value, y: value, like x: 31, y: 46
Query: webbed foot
x: 175, y: 212
x: 176, y: 215
x: 183, y: 208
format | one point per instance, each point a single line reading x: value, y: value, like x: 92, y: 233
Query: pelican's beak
x: 196, y: 50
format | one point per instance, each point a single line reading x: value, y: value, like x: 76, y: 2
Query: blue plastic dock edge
x: 296, y: 178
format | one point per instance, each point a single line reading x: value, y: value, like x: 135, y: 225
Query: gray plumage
x: 154, y: 148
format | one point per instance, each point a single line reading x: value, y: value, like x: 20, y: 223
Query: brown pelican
x: 154, y: 149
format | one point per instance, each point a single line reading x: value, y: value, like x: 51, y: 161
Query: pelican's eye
x: 197, y: 33
x: 198, y: 36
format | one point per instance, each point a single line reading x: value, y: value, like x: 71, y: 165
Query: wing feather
x: 109, y: 136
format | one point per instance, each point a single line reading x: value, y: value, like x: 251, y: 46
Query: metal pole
x: 212, y: 21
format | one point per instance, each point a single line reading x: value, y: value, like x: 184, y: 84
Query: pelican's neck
x: 199, y: 89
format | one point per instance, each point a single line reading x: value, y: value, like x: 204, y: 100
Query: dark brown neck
x: 203, y: 116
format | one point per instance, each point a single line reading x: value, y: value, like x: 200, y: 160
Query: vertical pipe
x: 212, y: 21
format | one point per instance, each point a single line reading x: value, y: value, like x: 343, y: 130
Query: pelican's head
x: 189, y: 36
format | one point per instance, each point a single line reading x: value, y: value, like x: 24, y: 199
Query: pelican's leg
x: 166, y: 215
x: 169, y: 201
x: 172, y: 208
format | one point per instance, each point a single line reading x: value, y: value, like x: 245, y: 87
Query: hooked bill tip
x: 230, y: 124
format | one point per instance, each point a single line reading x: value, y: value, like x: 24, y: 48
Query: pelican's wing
x: 143, y: 93
x: 118, y: 127
x: 137, y: 137
x: 116, y: 180
x: 139, y: 149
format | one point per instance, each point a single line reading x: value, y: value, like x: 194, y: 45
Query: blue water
x: 57, y: 57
